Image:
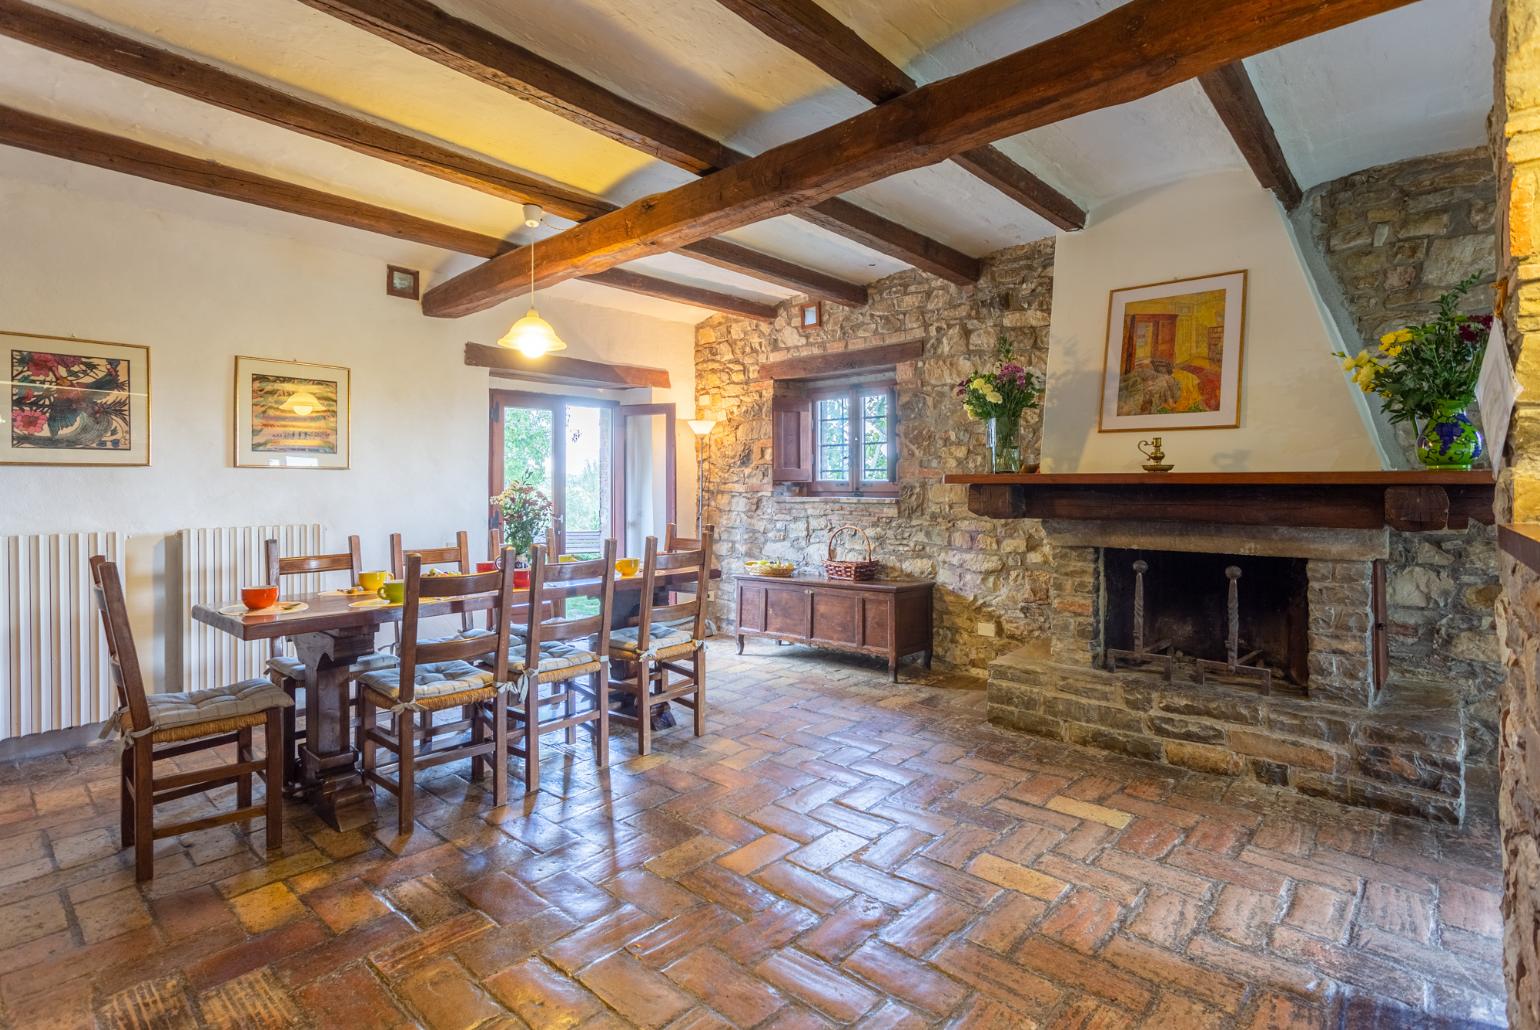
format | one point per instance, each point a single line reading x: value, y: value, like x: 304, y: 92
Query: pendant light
x: 532, y: 336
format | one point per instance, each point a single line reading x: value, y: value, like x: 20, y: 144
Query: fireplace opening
x: 1186, y: 602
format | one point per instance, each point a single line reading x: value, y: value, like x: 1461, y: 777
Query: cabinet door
x: 786, y: 611
x: 751, y: 606
x: 837, y: 617
x: 876, y: 616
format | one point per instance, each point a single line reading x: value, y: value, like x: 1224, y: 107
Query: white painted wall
x: 1297, y: 410
x: 116, y: 259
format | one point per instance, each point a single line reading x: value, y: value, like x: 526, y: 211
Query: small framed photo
x: 402, y: 282
x: 811, y: 315
x: 74, y: 402
x: 1174, y: 353
x: 289, y: 414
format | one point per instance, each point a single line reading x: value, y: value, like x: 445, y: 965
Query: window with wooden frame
x: 836, y: 438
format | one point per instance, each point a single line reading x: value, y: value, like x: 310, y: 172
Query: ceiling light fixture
x: 532, y: 336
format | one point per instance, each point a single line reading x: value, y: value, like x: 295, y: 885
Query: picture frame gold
x: 116, y: 423
x: 1174, y: 355
x: 292, y: 414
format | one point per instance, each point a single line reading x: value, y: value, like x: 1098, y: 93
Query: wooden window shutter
x: 791, y: 438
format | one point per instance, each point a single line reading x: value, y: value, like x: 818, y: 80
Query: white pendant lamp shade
x: 532, y: 336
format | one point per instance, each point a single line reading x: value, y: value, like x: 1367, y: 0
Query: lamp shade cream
x: 702, y: 426
x: 532, y: 336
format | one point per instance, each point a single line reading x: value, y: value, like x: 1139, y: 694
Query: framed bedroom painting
x: 289, y: 414
x: 74, y: 402
x: 1174, y: 354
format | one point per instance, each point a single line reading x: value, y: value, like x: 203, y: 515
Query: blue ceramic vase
x: 1449, y: 440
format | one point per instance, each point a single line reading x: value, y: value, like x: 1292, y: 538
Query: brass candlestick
x: 1151, y: 449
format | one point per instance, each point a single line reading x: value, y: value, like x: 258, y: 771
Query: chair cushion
x: 623, y: 641
x: 687, y: 625
x: 435, y: 679
x: 465, y: 634
x: 248, y: 697
x: 555, y: 655
x: 292, y: 668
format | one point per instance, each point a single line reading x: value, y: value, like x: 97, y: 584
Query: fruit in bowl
x: 767, y: 567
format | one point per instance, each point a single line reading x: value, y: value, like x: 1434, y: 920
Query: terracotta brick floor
x: 837, y: 851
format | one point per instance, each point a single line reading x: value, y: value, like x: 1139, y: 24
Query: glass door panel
x: 646, y: 459
x: 587, y: 488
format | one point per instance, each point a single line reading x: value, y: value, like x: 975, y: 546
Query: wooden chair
x: 666, y: 642
x: 672, y: 541
x: 434, y: 675
x: 457, y: 554
x: 186, y: 723
x: 287, y: 671
x: 572, y: 659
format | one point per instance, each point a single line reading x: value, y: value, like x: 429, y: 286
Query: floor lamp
x: 702, y: 428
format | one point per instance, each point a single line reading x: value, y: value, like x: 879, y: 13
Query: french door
x: 608, y: 469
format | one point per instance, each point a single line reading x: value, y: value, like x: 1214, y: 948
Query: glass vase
x: 1005, y: 444
x: 1449, y: 440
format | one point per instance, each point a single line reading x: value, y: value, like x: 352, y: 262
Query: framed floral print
x: 289, y: 414
x: 74, y: 402
x: 1173, y: 358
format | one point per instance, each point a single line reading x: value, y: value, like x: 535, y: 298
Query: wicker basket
x: 778, y: 570
x: 850, y: 570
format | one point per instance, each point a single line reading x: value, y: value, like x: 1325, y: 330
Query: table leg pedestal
x: 329, y: 763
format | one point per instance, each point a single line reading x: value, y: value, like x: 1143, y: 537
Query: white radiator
x: 53, y: 657
x: 216, y: 563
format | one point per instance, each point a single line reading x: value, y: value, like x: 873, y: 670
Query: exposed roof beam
x: 1135, y: 50
x: 204, y: 82
x: 1235, y: 99
x: 495, y: 61
x: 558, y: 368
x: 811, y: 32
x: 115, y: 153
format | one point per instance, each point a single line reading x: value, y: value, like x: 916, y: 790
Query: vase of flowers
x: 1426, y: 375
x: 524, y: 512
x: 1000, y: 397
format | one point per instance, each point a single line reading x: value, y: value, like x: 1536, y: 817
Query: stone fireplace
x: 1342, y: 719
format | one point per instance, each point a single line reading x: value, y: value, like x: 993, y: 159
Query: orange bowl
x: 257, y: 598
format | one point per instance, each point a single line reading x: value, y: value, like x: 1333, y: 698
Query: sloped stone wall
x: 990, y: 574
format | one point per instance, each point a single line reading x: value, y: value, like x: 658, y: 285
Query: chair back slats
x: 672, y: 541
x: 414, y: 652
x: 277, y: 567
x: 127, y: 676
x: 697, y: 560
x: 457, y: 554
x: 591, y: 579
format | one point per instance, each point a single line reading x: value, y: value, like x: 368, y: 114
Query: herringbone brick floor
x: 837, y: 851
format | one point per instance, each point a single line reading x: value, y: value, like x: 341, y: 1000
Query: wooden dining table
x: 330, y: 635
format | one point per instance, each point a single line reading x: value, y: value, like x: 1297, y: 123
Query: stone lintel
x: 1207, y: 538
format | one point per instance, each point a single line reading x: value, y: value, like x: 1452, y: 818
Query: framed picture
x: 401, y: 282
x: 291, y: 415
x: 1174, y: 353
x: 810, y: 316
x: 74, y: 402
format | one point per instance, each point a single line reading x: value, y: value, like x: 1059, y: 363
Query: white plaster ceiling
x: 1414, y: 81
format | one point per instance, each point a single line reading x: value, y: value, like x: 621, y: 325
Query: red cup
x: 257, y: 598
x: 486, y: 566
x: 521, y: 579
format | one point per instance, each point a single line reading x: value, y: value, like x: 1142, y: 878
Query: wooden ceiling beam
x: 811, y: 32
x: 1136, y: 49
x: 558, y: 368
x: 1230, y: 90
x: 88, y: 146
x: 204, y: 82
x: 491, y: 59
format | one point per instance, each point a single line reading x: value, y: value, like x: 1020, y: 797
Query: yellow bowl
x: 627, y: 566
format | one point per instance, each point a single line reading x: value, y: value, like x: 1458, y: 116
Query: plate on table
x: 375, y: 602
x: 350, y: 592
x: 281, y: 608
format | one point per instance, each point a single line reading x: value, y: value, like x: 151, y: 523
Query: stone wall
x: 1398, y: 235
x: 992, y: 575
x: 1515, y: 125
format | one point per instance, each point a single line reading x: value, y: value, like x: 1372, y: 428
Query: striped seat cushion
x: 661, y: 639
x: 555, y: 655
x: 248, y: 697
x: 435, y: 679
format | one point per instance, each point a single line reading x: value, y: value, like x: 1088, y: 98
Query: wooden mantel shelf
x: 1331, y: 500
x: 1521, y: 540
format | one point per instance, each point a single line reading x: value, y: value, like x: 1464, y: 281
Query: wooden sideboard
x: 886, y: 617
